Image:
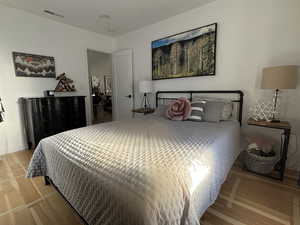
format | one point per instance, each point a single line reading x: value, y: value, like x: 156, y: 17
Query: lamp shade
x: 279, y: 77
x: 145, y: 86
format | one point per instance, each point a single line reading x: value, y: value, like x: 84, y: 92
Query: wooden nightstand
x: 286, y: 127
x: 145, y: 111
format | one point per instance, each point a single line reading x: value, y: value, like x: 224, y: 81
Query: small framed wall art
x: 29, y: 65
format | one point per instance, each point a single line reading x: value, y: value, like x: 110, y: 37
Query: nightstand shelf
x: 286, y: 127
x: 277, y: 125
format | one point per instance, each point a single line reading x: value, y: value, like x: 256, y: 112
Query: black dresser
x: 47, y: 116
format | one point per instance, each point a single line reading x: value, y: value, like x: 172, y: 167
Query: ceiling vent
x: 53, y: 13
x: 107, y: 22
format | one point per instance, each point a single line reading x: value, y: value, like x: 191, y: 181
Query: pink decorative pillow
x: 180, y: 109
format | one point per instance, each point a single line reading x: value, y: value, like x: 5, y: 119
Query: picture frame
x: 190, y: 53
x: 31, y: 65
x: 108, y: 85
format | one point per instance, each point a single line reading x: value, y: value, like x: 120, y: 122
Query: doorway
x: 101, y: 86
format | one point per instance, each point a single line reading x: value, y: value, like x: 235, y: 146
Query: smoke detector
x: 104, y: 17
x: 106, y: 20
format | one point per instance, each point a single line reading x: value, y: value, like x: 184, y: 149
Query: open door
x: 101, y: 89
x: 123, y: 99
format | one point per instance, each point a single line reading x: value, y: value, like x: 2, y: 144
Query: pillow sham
x: 227, y: 110
x: 213, y: 111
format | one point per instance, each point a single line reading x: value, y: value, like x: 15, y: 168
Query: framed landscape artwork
x: 29, y: 65
x: 188, y: 54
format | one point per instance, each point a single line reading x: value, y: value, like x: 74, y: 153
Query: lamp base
x: 145, y: 102
x: 275, y: 101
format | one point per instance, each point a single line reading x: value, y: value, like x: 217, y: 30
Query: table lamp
x: 145, y: 87
x: 279, y: 77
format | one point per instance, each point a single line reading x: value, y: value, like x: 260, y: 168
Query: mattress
x: 148, y: 171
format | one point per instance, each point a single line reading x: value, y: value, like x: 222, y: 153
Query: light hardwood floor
x: 245, y: 199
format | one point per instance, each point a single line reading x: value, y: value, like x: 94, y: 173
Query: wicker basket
x: 259, y: 164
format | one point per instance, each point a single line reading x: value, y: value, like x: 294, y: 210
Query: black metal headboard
x: 191, y: 93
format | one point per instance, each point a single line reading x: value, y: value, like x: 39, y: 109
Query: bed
x: 146, y: 171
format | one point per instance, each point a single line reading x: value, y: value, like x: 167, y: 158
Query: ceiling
x: 109, y: 17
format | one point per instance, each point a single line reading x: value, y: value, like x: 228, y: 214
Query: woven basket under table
x: 259, y: 164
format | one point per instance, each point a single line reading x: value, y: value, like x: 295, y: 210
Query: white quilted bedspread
x: 135, y: 172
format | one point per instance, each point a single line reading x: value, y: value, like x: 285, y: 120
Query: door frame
x: 115, y: 90
x: 90, y: 81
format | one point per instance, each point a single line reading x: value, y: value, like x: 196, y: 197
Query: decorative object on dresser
x: 286, y: 127
x: 279, y: 77
x: 64, y: 84
x: 29, y: 65
x: 187, y: 54
x: 46, y: 116
x: 49, y: 93
x: 145, y: 87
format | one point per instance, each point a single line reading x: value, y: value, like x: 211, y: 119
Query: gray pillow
x: 213, y: 111
x: 227, y: 110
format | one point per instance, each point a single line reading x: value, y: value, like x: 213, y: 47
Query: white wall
x: 24, y: 32
x: 251, y: 35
